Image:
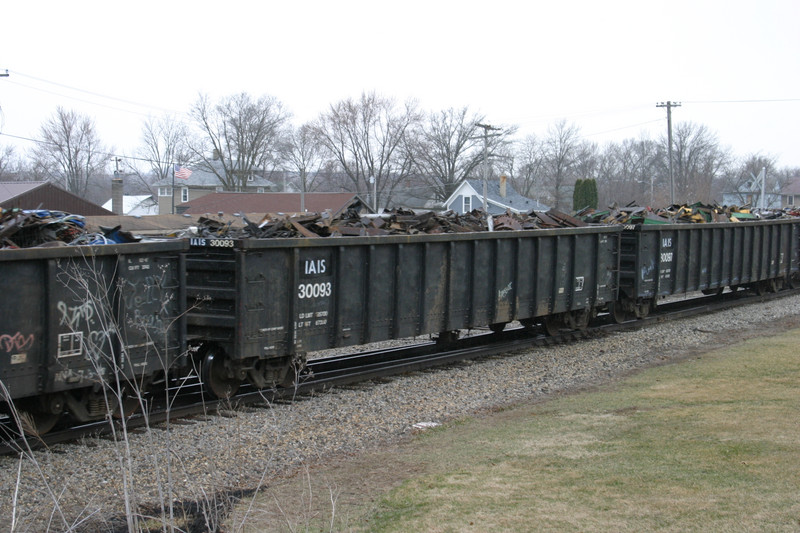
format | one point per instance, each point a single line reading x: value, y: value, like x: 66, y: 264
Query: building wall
x: 165, y: 202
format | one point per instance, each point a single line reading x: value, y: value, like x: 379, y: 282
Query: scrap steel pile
x: 394, y: 222
x: 678, y: 214
x: 33, y: 228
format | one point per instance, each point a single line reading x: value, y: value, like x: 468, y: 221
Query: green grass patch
x: 709, y: 444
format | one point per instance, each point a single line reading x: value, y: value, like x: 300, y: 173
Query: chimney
x: 503, y: 180
x: 116, y: 196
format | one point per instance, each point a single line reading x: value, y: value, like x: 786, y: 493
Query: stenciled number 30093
x: 314, y: 290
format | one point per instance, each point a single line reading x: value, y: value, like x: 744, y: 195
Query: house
x: 790, y: 193
x: 775, y: 197
x: 174, y: 191
x: 500, y: 197
x: 136, y: 205
x: 417, y: 198
x: 277, y: 202
x: 45, y: 195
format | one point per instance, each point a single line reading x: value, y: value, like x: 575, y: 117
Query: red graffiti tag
x: 17, y: 342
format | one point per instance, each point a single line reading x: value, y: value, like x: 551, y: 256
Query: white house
x: 500, y: 197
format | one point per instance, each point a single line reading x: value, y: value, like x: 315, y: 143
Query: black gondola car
x: 256, y: 306
x: 663, y: 260
x: 83, y: 323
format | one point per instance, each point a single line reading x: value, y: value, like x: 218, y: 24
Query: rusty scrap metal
x: 20, y: 228
x: 696, y: 213
x: 391, y: 222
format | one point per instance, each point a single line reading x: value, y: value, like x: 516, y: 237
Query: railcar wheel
x: 447, y: 337
x: 617, y: 312
x: 37, y: 423
x: 713, y: 292
x: 497, y: 328
x: 291, y: 379
x: 127, y: 405
x: 215, y: 378
x: 40, y: 415
x: 579, y: 320
x: 774, y: 285
x: 552, y: 325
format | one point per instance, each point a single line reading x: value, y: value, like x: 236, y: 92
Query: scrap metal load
x: 678, y: 214
x: 21, y: 228
x: 407, y: 222
x: 395, y: 222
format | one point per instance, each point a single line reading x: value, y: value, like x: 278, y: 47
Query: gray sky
x: 734, y: 65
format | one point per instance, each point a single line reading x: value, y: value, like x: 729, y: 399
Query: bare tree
x: 448, y: 149
x: 164, y: 143
x: 243, y: 134
x: 586, y: 161
x: 697, y: 161
x: 631, y: 171
x: 529, y: 169
x: 370, y: 137
x: 306, y: 157
x: 740, y: 179
x: 560, y: 155
x: 10, y: 164
x: 69, y: 152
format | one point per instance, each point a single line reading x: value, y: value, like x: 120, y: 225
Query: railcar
x: 257, y: 306
x: 660, y: 260
x: 84, y: 329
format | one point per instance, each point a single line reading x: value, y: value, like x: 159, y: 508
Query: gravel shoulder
x: 330, y: 438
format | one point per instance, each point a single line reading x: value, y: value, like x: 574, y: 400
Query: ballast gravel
x: 90, y: 486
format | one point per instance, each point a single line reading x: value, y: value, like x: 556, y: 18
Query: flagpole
x: 173, y: 188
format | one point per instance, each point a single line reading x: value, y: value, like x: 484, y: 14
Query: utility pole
x: 486, y: 129
x: 669, y: 105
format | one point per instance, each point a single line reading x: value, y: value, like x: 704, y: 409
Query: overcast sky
x: 734, y: 65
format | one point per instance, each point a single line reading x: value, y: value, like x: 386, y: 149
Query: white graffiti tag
x: 72, y: 317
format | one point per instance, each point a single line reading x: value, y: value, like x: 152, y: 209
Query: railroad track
x: 340, y: 370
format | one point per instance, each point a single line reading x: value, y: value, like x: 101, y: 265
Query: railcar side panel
x: 269, y: 298
x: 662, y: 260
x: 82, y: 314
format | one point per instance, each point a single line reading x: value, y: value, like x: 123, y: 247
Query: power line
x: 742, y: 101
x: 92, y: 93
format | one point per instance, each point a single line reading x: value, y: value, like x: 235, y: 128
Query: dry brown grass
x: 710, y: 444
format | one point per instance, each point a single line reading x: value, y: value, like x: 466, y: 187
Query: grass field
x: 709, y: 444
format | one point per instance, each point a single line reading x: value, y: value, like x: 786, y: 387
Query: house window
x: 251, y: 178
x: 260, y: 190
x: 790, y: 200
x: 467, y: 204
x: 185, y: 194
x: 165, y: 191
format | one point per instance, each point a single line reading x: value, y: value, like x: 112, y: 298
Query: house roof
x: 792, y: 188
x: 12, y: 189
x: 45, y: 195
x: 512, y: 200
x: 201, y: 177
x: 280, y: 202
x: 136, y: 205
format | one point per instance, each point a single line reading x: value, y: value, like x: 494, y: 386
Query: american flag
x: 182, y: 172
